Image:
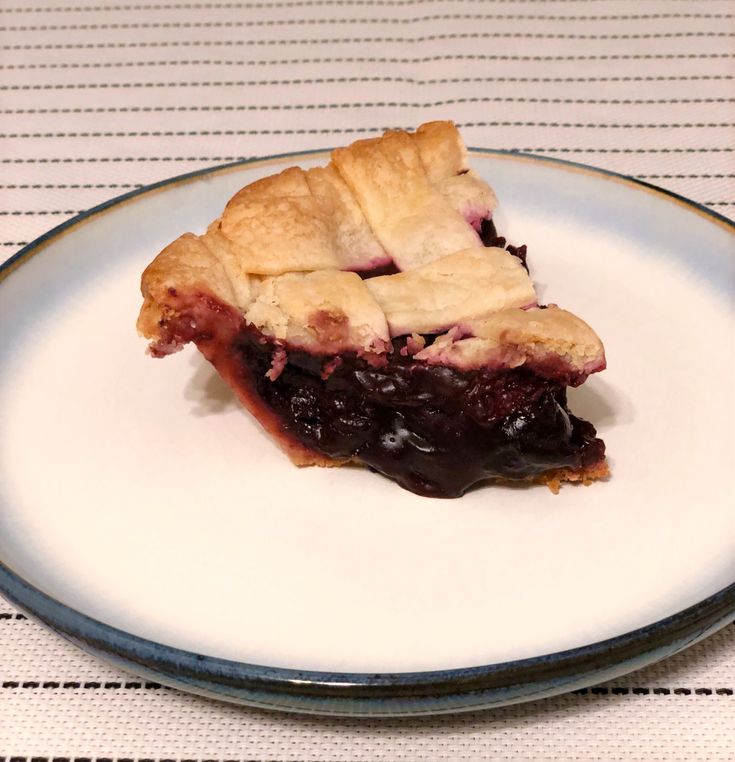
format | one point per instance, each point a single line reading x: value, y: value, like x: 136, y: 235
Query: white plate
x: 140, y: 494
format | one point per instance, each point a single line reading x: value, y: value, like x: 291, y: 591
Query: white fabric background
x: 99, y: 98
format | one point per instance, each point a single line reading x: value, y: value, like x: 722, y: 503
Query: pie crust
x: 358, y: 313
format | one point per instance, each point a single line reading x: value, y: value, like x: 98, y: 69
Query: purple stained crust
x: 434, y: 430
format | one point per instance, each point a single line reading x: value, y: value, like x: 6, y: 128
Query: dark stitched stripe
x: 615, y: 691
x: 289, y: 4
x: 203, y: 133
x: 376, y: 104
x: 325, y: 80
x: 354, y: 40
x: 328, y: 21
x: 684, y: 177
x: 84, y: 186
x: 123, y: 159
x: 522, y: 149
x: 369, y: 59
x: 37, y: 213
x: 451, y: 80
x: 727, y: 149
x: 145, y: 759
x: 139, y: 685
x: 77, y: 685
x: 335, y: 106
x: 603, y: 125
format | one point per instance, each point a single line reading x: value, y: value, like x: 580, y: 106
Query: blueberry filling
x: 434, y: 430
x: 389, y: 269
x: 489, y: 236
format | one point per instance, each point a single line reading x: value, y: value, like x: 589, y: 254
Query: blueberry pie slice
x: 368, y: 312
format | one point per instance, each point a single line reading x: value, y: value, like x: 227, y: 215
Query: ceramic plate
x: 144, y: 515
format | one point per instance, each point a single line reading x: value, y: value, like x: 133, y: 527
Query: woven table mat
x: 101, y: 98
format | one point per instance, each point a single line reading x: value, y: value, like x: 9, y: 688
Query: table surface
x: 99, y: 98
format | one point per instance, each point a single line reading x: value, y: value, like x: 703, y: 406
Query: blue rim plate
x: 377, y: 695
x: 367, y: 693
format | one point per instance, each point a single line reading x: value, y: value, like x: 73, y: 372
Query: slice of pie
x: 368, y: 312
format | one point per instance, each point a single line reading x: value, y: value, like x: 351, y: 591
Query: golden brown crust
x: 306, y: 458
x: 356, y: 247
x: 330, y: 218
x: 288, y: 307
x: 234, y: 268
x: 554, y: 479
x: 445, y: 160
x: 184, y: 265
x: 396, y: 194
x: 512, y: 337
x: 441, y: 149
x: 276, y: 225
x: 412, y: 220
x: 450, y: 291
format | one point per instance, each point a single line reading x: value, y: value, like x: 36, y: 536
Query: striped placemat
x: 99, y: 98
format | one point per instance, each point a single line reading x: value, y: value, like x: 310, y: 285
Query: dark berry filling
x: 434, y: 430
x: 489, y: 236
x: 389, y: 269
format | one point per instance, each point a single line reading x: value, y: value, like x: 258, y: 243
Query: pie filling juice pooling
x: 394, y: 329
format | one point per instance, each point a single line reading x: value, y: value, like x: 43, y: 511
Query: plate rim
x: 327, y: 692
